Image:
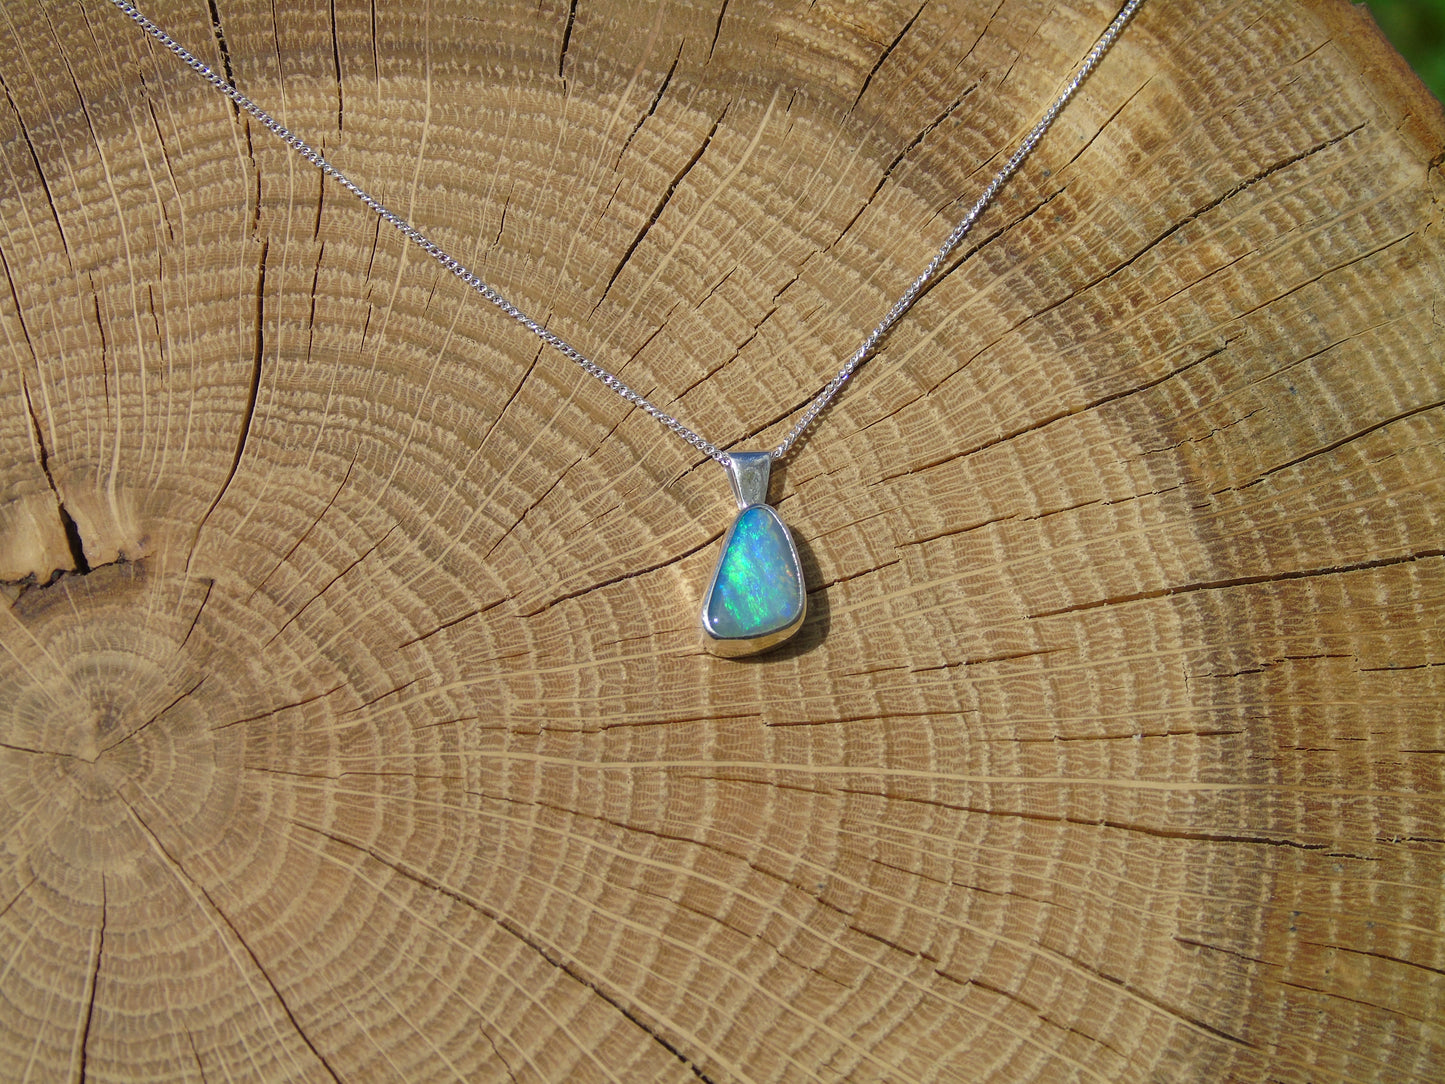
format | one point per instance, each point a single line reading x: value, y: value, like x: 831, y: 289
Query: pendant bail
x: 749, y: 473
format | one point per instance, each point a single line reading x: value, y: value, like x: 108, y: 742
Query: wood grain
x: 354, y: 720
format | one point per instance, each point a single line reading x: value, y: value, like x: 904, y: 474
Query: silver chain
x: 916, y: 287
x: 566, y: 349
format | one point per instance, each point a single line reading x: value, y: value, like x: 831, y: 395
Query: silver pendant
x: 756, y: 598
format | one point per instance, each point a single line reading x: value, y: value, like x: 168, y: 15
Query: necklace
x: 756, y: 598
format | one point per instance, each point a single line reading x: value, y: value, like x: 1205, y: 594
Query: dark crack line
x: 893, y: 164
x: 1373, y: 1006
x: 336, y: 64
x: 39, y: 171
x: 492, y: 428
x: 1035, y: 425
x: 1220, y: 948
x: 1146, y: 248
x: 196, y: 1054
x: 883, y: 57
x: 652, y: 106
x: 502, y: 219
x: 1377, y: 956
x: 14, y: 748
x: 19, y: 893
x: 983, y: 660
x: 306, y: 533
x: 375, y: 54
x: 1160, y: 1004
x: 220, y: 36
x: 1037, y: 1010
x: 170, y: 166
x: 329, y: 584
x: 861, y: 717
x: 1131, y: 736
x: 1344, y: 440
x: 284, y: 707
x: 67, y: 521
x: 181, y: 696
x: 73, y: 541
x: 320, y: 251
x: 1019, y: 517
x: 210, y: 585
x: 1195, y: 215
x: 253, y: 393
x: 1242, y: 581
x: 661, y: 206
x: 449, y: 624
x: 19, y: 310
x: 536, y: 501
x: 1304, y: 284
x: 717, y: 29
x: 566, y: 39
x: 1187, y: 835
x: 549, y: 726
x: 104, y: 347
x: 878, y: 351
x: 484, y: 723
x: 91, y: 984
x: 182, y: 872
x: 552, y: 957
x: 381, y: 696
x: 630, y: 575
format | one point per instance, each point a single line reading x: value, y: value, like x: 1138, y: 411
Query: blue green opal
x: 757, y: 588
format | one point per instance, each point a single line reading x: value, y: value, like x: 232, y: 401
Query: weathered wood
x: 354, y: 722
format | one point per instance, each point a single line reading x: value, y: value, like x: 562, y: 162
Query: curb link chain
x: 830, y: 390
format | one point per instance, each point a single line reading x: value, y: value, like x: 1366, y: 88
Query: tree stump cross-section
x: 355, y: 723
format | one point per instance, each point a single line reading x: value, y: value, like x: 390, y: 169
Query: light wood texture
x: 358, y: 727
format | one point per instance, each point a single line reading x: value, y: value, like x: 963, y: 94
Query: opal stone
x: 757, y: 591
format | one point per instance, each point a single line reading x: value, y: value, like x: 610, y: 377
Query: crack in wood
x: 181, y: 872
x: 1224, y: 584
x: 451, y: 622
x: 1373, y: 1006
x: 306, y: 533
x: 1243, y: 186
x: 98, y: 941
x: 283, y: 707
x: 67, y: 521
x: 629, y: 575
x: 19, y: 892
x: 717, y: 29
x: 248, y: 412
x: 566, y: 39
x: 1219, y: 948
x: 210, y: 585
x: 130, y: 734
x: 220, y: 35
x: 1190, y: 835
x: 883, y: 56
x: 1159, y: 1004
x: 196, y: 1055
x: 40, y: 175
x: 1333, y: 445
x: 893, y: 164
x: 336, y: 66
x: 1037, y: 1011
x: 501, y: 921
x: 677, y: 180
x: 1374, y: 955
x: 652, y: 106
